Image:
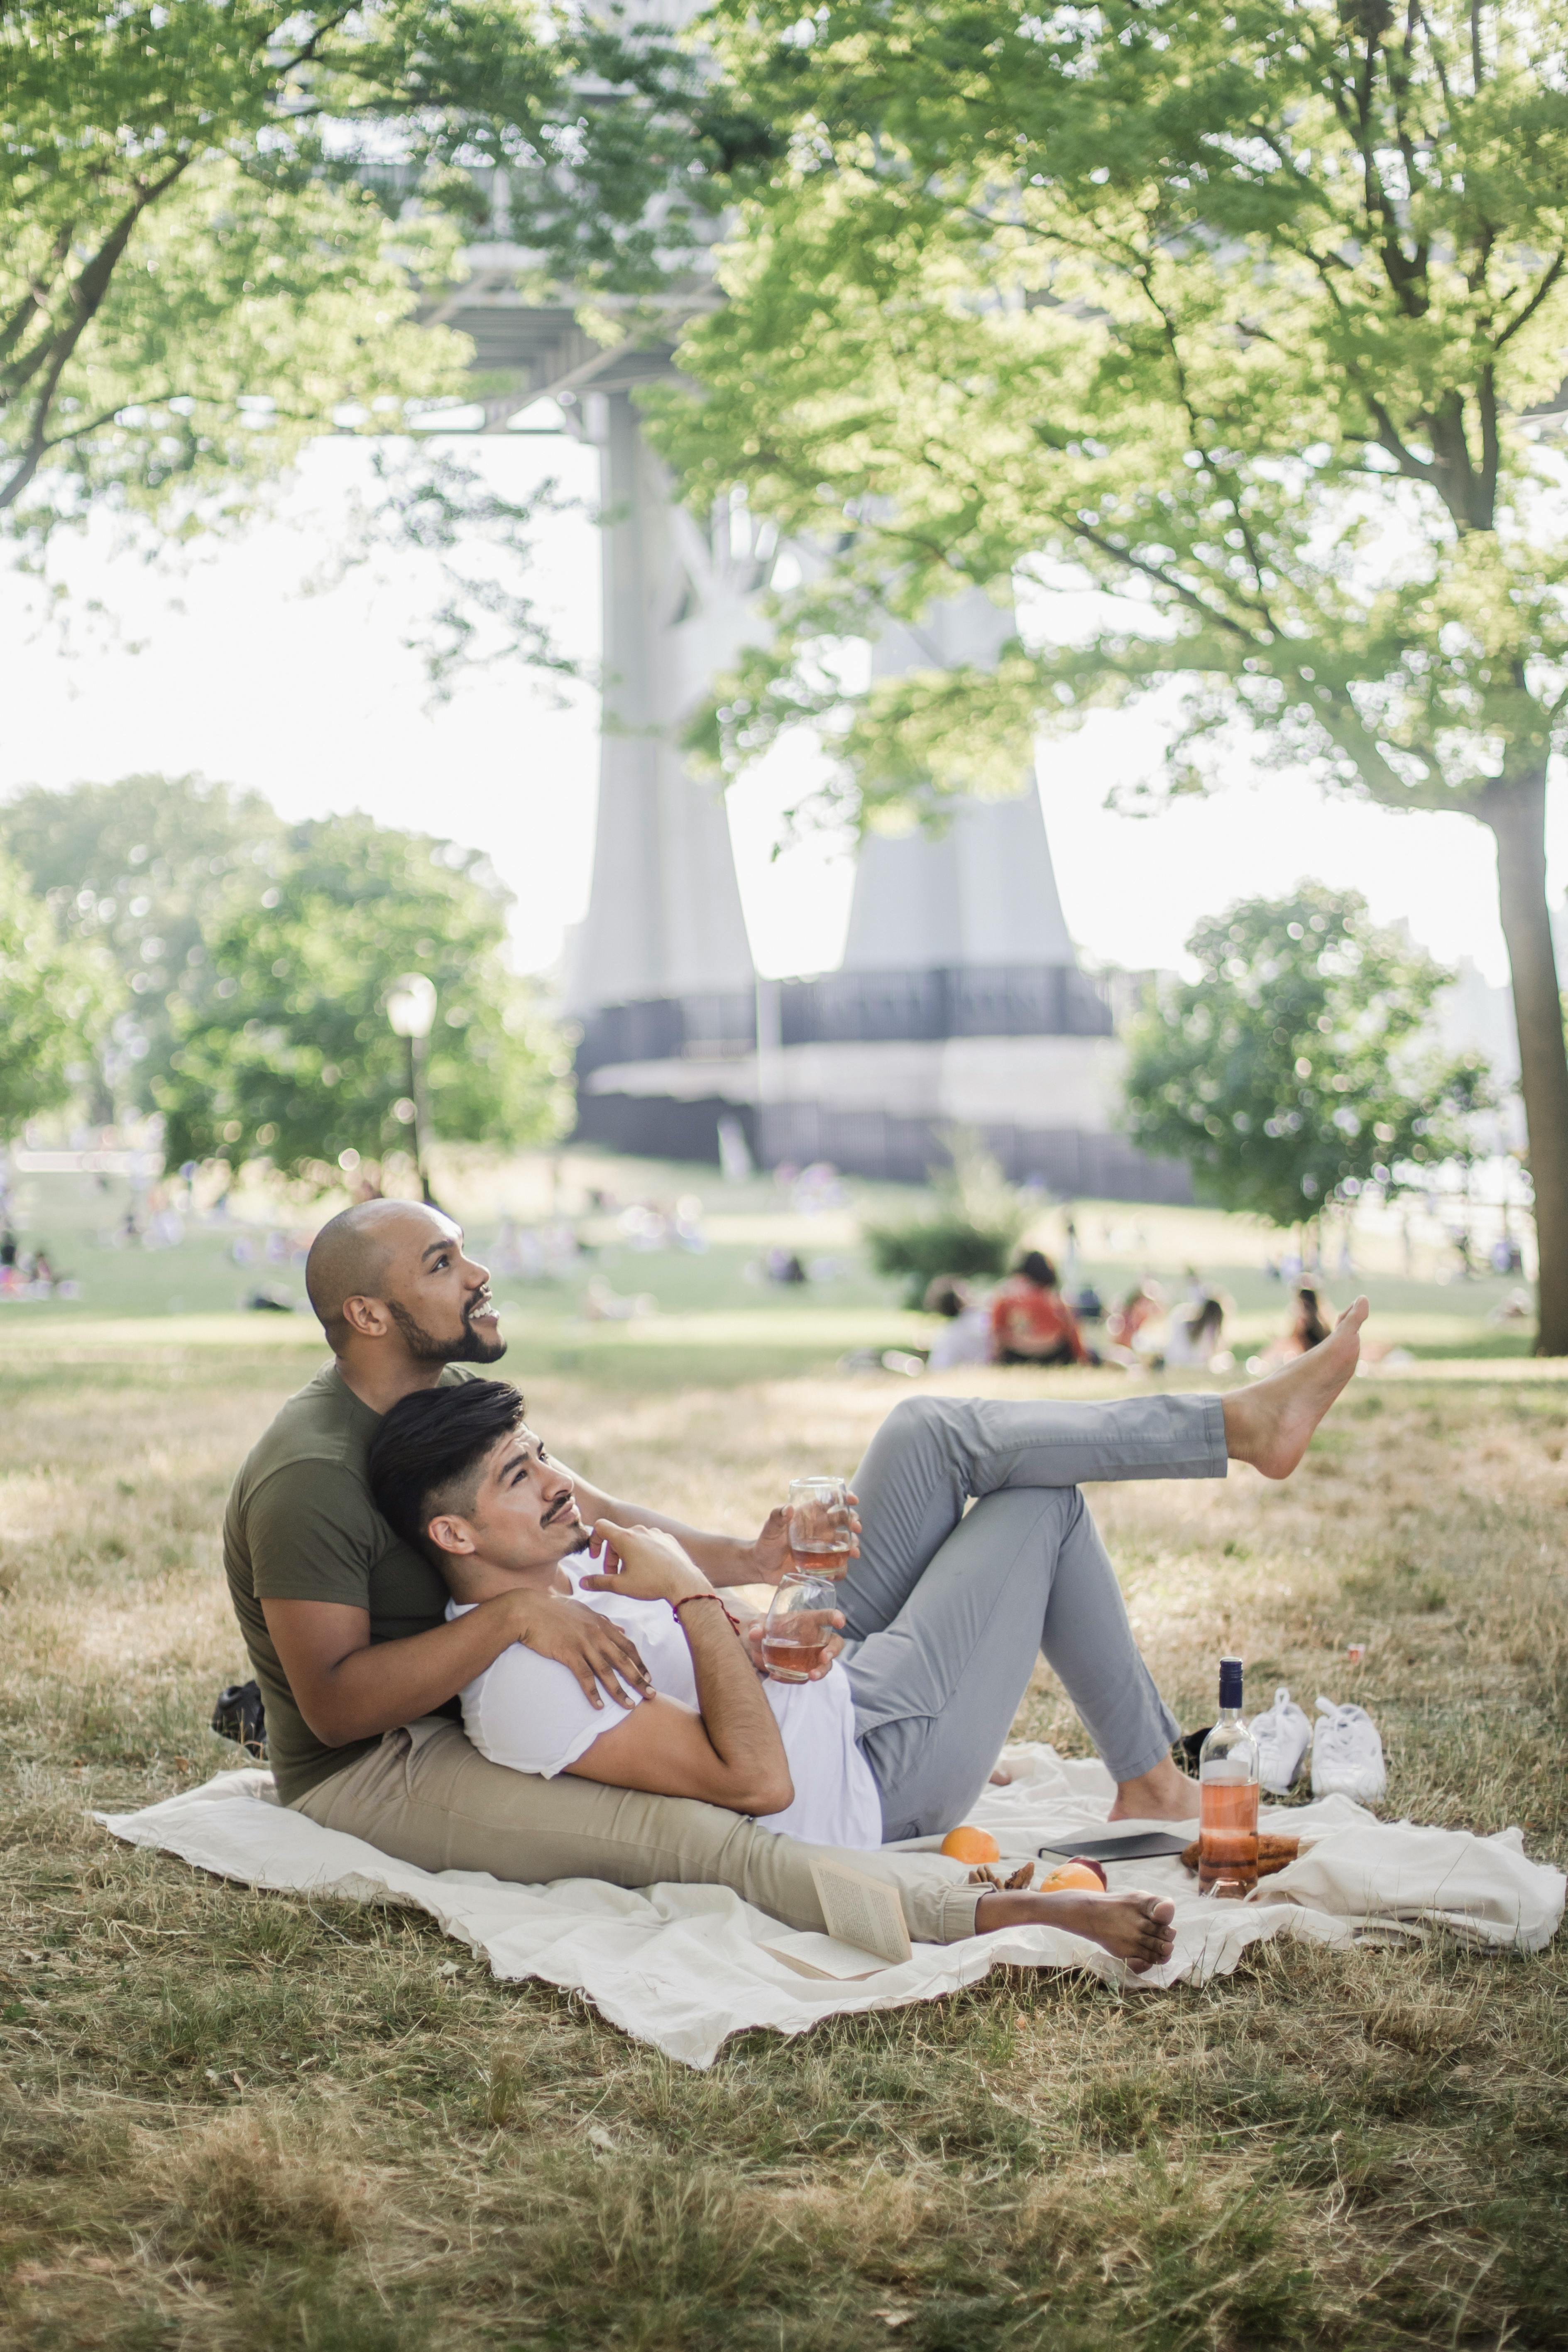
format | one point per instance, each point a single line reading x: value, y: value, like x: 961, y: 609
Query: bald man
x: 346, y: 1628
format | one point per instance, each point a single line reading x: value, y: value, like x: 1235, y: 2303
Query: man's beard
x: 469, y: 1347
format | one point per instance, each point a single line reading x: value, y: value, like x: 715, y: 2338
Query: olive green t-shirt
x: 301, y: 1525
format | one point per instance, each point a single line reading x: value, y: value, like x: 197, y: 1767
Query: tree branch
x: 1343, y: 725
x: 1438, y: 67
x: 307, y: 54
x: 96, y: 424
x: 1224, y: 483
x: 1388, y: 435
x: 1402, y: 273
x: 91, y: 284
x: 1559, y: 262
x: 87, y: 295
x: 35, y: 298
x: 1491, y: 441
x: 1091, y: 537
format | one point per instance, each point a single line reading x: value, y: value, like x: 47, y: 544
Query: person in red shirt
x: 1031, y: 1322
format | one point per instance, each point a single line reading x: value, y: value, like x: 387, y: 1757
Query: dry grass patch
x: 230, y: 2120
x: 264, y: 2179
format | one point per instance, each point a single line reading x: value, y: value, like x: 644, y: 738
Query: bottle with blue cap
x: 1227, y: 1797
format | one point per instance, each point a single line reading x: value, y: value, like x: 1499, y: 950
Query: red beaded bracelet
x: 677, y: 1606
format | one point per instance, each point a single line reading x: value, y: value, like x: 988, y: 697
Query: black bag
x: 240, y: 1715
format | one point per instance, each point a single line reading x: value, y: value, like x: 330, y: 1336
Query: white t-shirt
x: 532, y: 1713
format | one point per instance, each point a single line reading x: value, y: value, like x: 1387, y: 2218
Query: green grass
x: 712, y: 1318
x: 251, y: 2121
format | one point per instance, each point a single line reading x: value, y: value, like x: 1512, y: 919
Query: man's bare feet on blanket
x: 1161, y: 1794
x: 1271, y: 1424
x: 1133, y: 1928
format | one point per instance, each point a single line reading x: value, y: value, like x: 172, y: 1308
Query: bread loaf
x: 1273, y: 1853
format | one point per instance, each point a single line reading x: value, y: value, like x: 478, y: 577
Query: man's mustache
x: 567, y: 1502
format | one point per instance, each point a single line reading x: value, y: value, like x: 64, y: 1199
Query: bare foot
x: 1133, y: 1928
x: 1270, y: 1425
x: 1162, y: 1794
x: 1001, y: 1778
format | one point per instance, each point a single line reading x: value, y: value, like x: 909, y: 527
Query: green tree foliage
x: 282, y: 1046
x: 214, y: 220
x: 1298, y: 1068
x: 135, y: 868
x: 1232, y: 316
x: 55, y: 995
x: 182, y: 296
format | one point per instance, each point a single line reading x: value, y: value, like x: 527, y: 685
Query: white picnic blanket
x: 685, y: 1967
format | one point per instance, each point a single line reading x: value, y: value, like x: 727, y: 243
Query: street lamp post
x: 411, y: 1009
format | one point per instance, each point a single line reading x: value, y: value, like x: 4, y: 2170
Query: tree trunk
x: 1517, y: 815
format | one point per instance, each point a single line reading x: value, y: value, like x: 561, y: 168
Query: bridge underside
x: 871, y: 1066
x: 540, y: 346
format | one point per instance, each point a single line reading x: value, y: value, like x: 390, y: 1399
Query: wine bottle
x: 1227, y: 1797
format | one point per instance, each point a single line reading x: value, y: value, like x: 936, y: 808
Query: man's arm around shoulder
x: 312, y: 1533
x: 348, y: 1687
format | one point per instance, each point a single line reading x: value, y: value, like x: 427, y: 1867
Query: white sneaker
x: 1282, y: 1736
x: 1347, y: 1754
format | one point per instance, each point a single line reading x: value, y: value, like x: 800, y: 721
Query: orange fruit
x: 967, y: 1844
x: 1068, y: 1876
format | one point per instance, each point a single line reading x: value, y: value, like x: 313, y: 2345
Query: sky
x: 226, y: 663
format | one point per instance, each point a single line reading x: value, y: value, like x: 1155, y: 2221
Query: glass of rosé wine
x: 801, y: 1616
x: 820, y: 1535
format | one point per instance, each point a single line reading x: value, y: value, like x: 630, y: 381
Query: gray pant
x: 948, y: 1607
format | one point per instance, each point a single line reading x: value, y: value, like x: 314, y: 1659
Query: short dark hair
x: 427, y: 1454
x: 1035, y: 1267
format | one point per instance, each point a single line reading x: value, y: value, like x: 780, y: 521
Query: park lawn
x: 709, y: 1317
x: 235, y: 2120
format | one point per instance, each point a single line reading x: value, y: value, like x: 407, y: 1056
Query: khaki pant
x: 425, y: 1796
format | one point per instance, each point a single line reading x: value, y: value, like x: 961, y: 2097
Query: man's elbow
x: 769, y: 1789
x: 328, y: 1721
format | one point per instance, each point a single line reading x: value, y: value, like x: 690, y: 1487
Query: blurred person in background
x: 1312, y: 1320
x: 1194, y: 1341
x: 1127, y: 1327
x: 1031, y: 1322
x: 966, y: 1337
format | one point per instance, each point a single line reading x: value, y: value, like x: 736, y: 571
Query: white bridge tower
x: 959, y: 1000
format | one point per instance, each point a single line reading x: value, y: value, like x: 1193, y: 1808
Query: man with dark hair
x: 422, y: 1462
x: 1031, y: 1322
x: 346, y: 1621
